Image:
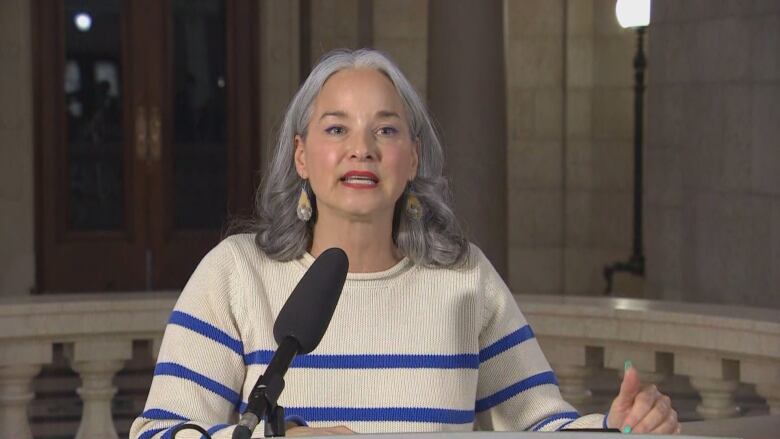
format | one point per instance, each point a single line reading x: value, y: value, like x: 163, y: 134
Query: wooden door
x: 145, y: 137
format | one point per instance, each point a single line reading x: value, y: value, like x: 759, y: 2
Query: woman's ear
x: 300, y: 157
x: 415, y: 158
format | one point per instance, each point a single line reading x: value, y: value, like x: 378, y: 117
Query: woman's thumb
x: 630, y: 386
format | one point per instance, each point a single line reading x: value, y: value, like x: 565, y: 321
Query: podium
x: 568, y: 434
x: 746, y: 427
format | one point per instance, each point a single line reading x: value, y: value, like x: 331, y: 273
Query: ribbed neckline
x: 395, y: 271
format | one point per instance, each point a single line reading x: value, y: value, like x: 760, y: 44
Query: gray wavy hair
x: 435, y: 240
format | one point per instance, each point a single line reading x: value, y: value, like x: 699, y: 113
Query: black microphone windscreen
x: 306, y: 314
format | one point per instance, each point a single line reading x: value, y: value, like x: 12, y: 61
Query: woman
x: 426, y: 336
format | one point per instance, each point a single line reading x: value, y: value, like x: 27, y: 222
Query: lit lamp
x: 634, y: 14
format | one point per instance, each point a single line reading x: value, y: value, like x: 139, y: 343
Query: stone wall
x: 17, y: 251
x: 398, y: 27
x: 570, y: 108
x: 334, y: 24
x: 534, y: 44
x: 713, y: 154
x: 279, y: 66
x: 401, y: 30
x: 712, y: 203
x: 599, y: 154
x: 559, y: 187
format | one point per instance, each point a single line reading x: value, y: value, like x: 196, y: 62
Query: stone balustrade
x: 98, y: 333
x: 716, y: 346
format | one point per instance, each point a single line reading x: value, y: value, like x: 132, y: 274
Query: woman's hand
x: 322, y: 431
x: 640, y: 409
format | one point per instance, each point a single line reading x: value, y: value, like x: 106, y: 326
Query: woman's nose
x: 364, y: 148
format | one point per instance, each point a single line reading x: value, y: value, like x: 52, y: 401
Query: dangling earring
x: 304, y: 205
x: 413, y: 206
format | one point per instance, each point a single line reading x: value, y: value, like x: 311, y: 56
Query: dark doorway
x: 145, y: 137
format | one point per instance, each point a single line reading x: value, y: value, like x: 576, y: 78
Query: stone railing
x: 97, y: 332
x: 717, y: 346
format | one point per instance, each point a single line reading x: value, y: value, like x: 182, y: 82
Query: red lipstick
x: 360, y: 180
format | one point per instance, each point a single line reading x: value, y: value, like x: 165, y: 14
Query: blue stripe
x: 511, y: 340
x: 556, y: 417
x: 149, y: 433
x: 179, y: 371
x: 562, y: 426
x: 297, y: 420
x: 515, y: 389
x: 262, y: 356
x: 160, y: 414
x: 207, y: 330
x: 410, y: 414
x: 169, y: 432
x: 388, y: 361
x: 397, y: 414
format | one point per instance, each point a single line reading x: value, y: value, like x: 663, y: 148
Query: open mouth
x: 359, y: 178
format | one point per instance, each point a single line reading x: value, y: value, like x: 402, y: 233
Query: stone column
x: 19, y: 364
x: 280, y: 43
x: 716, y: 380
x: 770, y: 392
x: 569, y: 361
x: 467, y: 96
x: 717, y: 397
x: 713, y: 188
x: 766, y: 377
x: 97, y: 361
x: 17, y: 180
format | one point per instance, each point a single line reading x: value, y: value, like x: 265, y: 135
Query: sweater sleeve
x: 517, y: 389
x: 200, y: 368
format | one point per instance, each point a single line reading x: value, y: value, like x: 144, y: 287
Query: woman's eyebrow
x: 340, y: 114
x: 384, y: 114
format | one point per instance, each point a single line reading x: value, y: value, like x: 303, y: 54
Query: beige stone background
x: 712, y: 170
x: 712, y: 154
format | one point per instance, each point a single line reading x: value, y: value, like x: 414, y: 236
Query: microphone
x: 315, y: 297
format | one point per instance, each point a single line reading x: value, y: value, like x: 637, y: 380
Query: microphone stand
x: 318, y: 291
x: 262, y: 402
x: 265, y: 397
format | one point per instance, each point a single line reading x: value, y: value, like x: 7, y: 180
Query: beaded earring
x: 304, y: 205
x: 413, y: 206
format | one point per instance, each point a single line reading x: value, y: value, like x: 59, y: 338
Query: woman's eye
x: 335, y: 130
x: 387, y: 131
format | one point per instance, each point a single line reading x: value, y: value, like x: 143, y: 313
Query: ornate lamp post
x: 634, y: 14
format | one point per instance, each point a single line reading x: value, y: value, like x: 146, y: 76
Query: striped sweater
x: 409, y: 349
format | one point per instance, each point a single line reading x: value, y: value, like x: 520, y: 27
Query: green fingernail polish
x: 627, y: 429
x: 627, y: 365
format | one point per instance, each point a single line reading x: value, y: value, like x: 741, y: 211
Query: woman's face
x: 358, y: 154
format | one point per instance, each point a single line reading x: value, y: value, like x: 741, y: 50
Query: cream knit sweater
x: 409, y: 349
